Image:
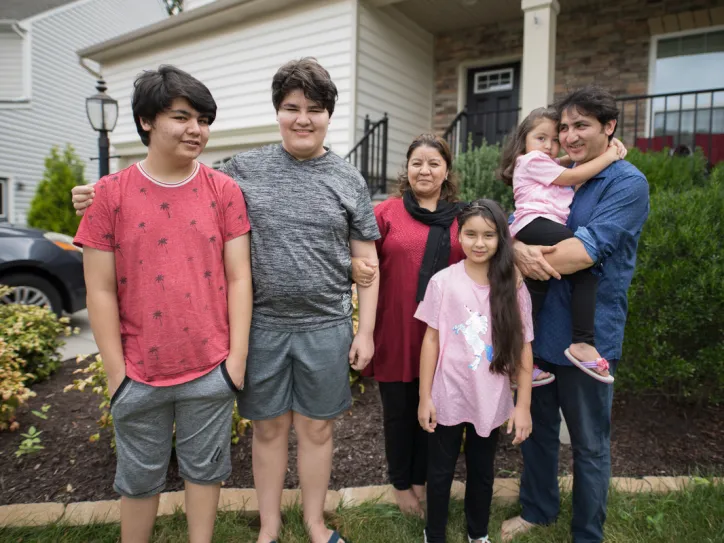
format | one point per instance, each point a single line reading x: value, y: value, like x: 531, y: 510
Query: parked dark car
x: 44, y: 267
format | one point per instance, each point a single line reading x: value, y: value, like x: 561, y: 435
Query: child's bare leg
x: 137, y: 518
x: 587, y: 353
x: 201, y: 504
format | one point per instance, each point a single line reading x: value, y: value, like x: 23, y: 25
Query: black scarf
x: 437, y: 248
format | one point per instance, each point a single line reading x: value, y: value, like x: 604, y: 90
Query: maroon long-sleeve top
x: 398, y: 335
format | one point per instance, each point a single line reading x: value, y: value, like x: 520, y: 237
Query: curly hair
x: 449, y: 189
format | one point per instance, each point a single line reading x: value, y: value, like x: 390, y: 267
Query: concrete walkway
x: 82, y: 343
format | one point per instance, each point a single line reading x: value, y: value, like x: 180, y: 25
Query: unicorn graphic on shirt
x: 472, y: 330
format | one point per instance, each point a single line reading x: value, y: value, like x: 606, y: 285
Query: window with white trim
x: 684, y: 64
x: 493, y: 81
x: 4, y: 199
x: 14, y: 74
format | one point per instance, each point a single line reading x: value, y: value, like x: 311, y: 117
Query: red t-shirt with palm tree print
x: 168, y: 241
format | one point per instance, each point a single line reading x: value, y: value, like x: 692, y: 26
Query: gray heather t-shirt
x: 302, y: 214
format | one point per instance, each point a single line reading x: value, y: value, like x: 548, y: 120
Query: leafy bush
x: 666, y: 172
x: 675, y: 330
x: 13, y: 392
x: 476, y: 169
x: 49, y: 209
x: 34, y: 333
x: 95, y: 381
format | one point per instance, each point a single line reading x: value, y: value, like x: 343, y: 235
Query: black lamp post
x: 102, y: 113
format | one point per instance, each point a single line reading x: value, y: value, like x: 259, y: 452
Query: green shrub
x: 49, y: 209
x: 13, y: 392
x: 666, y: 172
x: 34, y: 333
x: 476, y: 169
x: 675, y: 330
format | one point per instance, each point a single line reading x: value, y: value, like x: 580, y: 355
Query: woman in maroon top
x: 419, y: 238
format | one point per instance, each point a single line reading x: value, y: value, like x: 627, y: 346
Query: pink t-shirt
x: 464, y: 389
x: 168, y: 241
x: 534, y: 191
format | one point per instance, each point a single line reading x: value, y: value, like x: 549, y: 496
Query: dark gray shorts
x: 306, y: 372
x: 144, y: 417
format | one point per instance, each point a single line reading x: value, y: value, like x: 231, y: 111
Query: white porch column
x: 539, y: 53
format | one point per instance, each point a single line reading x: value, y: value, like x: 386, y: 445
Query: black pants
x: 583, y: 296
x: 405, y: 440
x: 443, y: 451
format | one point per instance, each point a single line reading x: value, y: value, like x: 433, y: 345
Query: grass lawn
x: 696, y: 516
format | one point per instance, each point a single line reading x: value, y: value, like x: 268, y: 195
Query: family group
x: 210, y: 287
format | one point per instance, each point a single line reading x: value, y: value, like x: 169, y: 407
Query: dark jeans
x: 586, y: 406
x: 583, y: 296
x: 443, y: 452
x: 405, y: 440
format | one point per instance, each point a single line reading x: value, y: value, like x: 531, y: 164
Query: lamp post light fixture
x: 102, y: 113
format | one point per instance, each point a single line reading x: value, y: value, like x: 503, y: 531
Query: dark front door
x: 493, y: 102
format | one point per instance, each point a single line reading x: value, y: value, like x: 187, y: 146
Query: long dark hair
x: 449, y: 189
x: 504, y: 310
x: 515, y: 143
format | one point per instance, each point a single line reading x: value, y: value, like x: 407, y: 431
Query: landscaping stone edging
x: 244, y: 499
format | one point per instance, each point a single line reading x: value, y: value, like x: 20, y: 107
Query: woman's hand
x: 364, y: 271
x: 522, y: 422
x: 82, y: 197
x: 427, y: 415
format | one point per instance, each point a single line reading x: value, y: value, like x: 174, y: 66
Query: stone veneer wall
x: 598, y: 41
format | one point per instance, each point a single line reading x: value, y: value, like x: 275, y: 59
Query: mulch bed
x: 651, y: 436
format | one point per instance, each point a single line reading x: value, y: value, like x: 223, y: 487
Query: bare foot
x: 587, y: 353
x: 408, y: 502
x: 419, y: 491
x: 514, y: 526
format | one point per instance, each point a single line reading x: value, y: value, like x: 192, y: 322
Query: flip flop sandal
x: 540, y: 382
x: 479, y: 540
x: 335, y: 538
x: 599, y: 363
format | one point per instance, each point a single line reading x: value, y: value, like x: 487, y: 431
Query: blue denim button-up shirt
x: 607, y: 215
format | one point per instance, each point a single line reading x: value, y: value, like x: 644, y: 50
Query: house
x: 463, y: 68
x: 43, y: 86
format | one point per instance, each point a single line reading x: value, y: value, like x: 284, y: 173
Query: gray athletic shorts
x: 304, y: 372
x: 144, y: 417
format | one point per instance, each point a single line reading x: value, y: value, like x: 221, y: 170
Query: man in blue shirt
x: 607, y: 215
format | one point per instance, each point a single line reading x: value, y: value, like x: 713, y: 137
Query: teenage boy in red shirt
x: 168, y: 274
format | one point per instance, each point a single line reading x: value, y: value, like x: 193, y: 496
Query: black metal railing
x: 475, y: 128
x: 680, y: 122
x: 369, y: 155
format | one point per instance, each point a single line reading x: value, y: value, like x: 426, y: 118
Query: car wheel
x: 32, y: 290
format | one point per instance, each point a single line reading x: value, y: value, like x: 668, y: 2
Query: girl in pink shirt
x: 466, y: 365
x: 543, y: 188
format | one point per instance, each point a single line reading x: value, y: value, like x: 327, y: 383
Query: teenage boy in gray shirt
x: 310, y: 213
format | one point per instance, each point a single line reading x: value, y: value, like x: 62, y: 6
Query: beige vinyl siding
x: 394, y: 75
x: 238, y: 63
